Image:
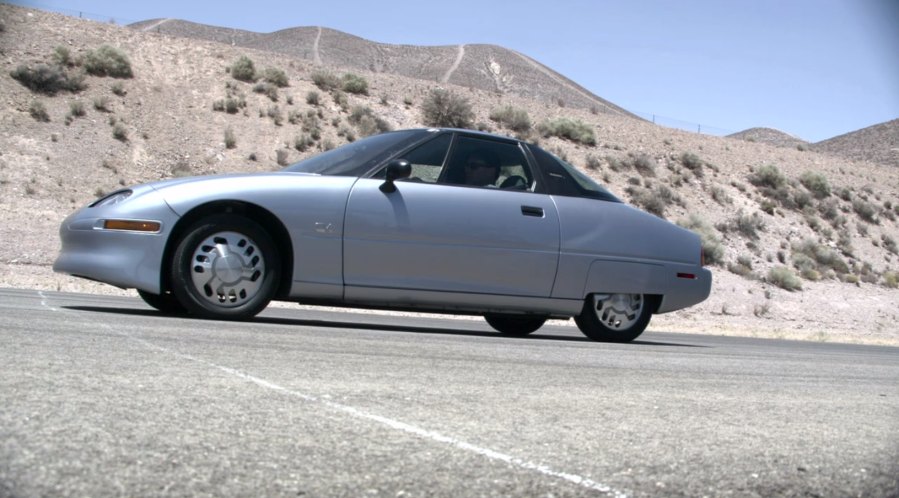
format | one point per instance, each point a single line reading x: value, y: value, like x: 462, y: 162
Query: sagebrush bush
x: 784, y: 278
x: 816, y: 183
x: 275, y: 77
x: 711, y: 242
x: 268, y: 89
x: 655, y: 200
x: 108, y: 61
x: 230, y: 139
x: 313, y: 98
x: 355, y: 84
x: 692, y: 162
x: 865, y: 210
x: 575, y: 130
x: 512, y: 118
x: 325, y: 80
x: 62, y: 56
x: 38, y: 111
x: 119, y: 132
x: 822, y: 256
x: 645, y: 165
x: 768, y: 176
x: 48, y: 80
x: 365, y: 120
x: 443, y: 108
x: 243, y: 69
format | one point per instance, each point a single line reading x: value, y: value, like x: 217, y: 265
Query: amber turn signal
x: 132, y: 225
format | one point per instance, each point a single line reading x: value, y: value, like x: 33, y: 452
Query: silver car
x: 437, y: 220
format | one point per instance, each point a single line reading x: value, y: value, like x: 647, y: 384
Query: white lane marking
x: 44, y: 301
x: 393, y: 424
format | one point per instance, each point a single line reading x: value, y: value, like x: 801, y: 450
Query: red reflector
x: 686, y: 275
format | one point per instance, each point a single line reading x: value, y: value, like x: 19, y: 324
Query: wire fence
x: 660, y: 120
x: 680, y: 124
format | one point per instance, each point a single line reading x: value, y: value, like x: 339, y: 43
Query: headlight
x: 112, y: 199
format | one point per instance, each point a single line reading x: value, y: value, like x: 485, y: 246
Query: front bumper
x: 123, y: 258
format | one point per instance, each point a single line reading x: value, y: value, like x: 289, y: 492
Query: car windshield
x: 356, y: 158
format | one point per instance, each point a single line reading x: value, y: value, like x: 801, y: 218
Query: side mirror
x: 396, y: 170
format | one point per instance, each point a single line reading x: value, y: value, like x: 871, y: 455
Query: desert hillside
x: 489, y: 68
x: 802, y: 243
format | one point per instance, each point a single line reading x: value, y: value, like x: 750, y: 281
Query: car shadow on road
x: 341, y: 324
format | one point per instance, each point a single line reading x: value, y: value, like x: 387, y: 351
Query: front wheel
x: 225, y: 267
x: 515, y: 325
x: 614, y: 317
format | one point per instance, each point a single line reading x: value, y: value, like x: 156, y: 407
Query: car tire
x: 165, y: 302
x: 614, y: 317
x: 515, y: 325
x: 225, y: 267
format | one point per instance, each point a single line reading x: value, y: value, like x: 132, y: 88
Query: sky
x: 812, y: 68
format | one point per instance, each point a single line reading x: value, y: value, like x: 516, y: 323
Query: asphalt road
x: 100, y: 396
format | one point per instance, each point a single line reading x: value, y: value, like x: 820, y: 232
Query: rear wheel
x: 614, y: 317
x: 227, y: 267
x: 165, y: 302
x: 515, y: 325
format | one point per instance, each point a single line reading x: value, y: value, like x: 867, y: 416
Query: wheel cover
x: 618, y: 311
x: 227, y: 269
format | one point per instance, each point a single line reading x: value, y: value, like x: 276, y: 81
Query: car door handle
x: 532, y: 211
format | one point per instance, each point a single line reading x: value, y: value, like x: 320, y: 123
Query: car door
x: 433, y: 234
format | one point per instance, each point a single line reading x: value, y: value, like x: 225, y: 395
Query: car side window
x: 426, y: 160
x: 477, y: 162
x: 564, y: 179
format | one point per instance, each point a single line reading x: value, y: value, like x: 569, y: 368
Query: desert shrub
x: 889, y: 244
x: 655, y: 200
x: 303, y: 142
x: 281, y: 157
x: 107, y: 61
x: 768, y: 176
x: 267, y: 89
x: 575, y: 130
x: 784, y: 278
x: 772, y: 184
x: 891, y: 279
x: 823, y: 257
x: 119, y: 89
x: 275, y: 77
x: 101, y: 104
x: 742, y: 267
x: 38, y: 111
x: 325, y: 81
x: 48, y: 79
x: 865, y: 210
x: 76, y: 109
x: 720, y: 196
x: 593, y: 162
x: 692, y: 162
x: 274, y: 112
x: 446, y: 109
x: 512, y: 118
x: 816, y: 183
x: 243, y: 69
x: 355, y: 84
x: 230, y: 139
x: 62, y: 56
x: 644, y: 165
x: 711, y: 242
x: 119, y: 132
x: 365, y: 120
x: 313, y: 98
x: 802, y: 200
x: 749, y: 225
